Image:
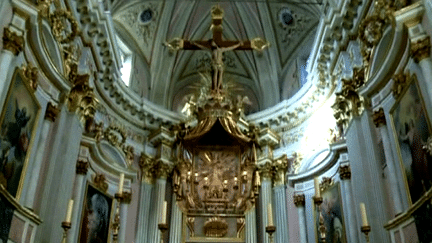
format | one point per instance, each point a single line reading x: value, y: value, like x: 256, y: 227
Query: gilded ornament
x: 280, y: 167
x: 51, y: 112
x: 345, y: 172
x: 129, y: 154
x: 421, y: 49
x: 115, y: 135
x: 326, y: 182
x: 147, y: 164
x: 126, y: 197
x: 64, y: 33
x: 215, y: 227
x: 100, y: 182
x: 378, y: 118
x: 81, y: 167
x: 265, y: 170
x: 400, y: 82
x: 12, y: 41
x: 299, y: 200
x: 31, y: 75
x: 295, y: 162
x: 190, y: 222
x: 70, y: 61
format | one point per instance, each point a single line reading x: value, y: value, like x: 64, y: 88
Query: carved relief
x: 100, y: 182
x: 345, y: 172
x: 82, y: 167
x: 146, y: 164
x: 421, y: 49
x: 215, y: 227
x: 400, y: 82
x: 31, y: 75
x: 299, y: 200
x: 378, y: 118
x: 63, y: 26
x: 12, y: 41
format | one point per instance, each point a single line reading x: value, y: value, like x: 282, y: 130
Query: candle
x: 363, y: 214
x: 270, y: 215
x: 164, y: 212
x: 69, y: 211
x: 196, y: 177
x: 121, y: 182
x: 317, y: 188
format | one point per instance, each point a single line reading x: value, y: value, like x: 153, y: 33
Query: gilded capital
x: 126, y: 197
x: 379, y: 118
x: 31, y: 75
x: 345, y: 172
x: 147, y: 164
x: 100, y: 182
x: 163, y: 170
x: 81, y: 167
x: 421, y: 49
x: 299, y: 200
x: 280, y: 167
x: 12, y: 41
x: 51, y: 112
x: 265, y: 170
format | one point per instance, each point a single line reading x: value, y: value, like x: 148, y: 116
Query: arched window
x: 126, y: 56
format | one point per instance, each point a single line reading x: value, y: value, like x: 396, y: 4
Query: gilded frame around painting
x: 411, y: 129
x: 18, y: 122
x: 332, y: 211
x: 96, y: 217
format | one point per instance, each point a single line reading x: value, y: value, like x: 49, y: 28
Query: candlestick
x: 363, y: 214
x: 196, y: 178
x: 69, y: 211
x: 120, y: 188
x: 366, y: 230
x: 270, y: 230
x: 270, y: 215
x: 317, y: 188
x: 164, y: 213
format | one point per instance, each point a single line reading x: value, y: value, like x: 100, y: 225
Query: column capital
x: 420, y: 49
x: 299, y: 200
x: 81, y: 167
x: 345, y: 172
x: 265, y: 169
x: 146, y: 164
x: 126, y: 197
x: 280, y: 167
x: 12, y: 41
x: 378, y: 118
x: 163, y: 170
x: 51, y: 112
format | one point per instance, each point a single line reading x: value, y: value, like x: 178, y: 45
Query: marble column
x: 12, y: 45
x: 146, y: 188
x: 124, y: 204
x: 281, y: 213
x: 156, y: 210
x: 176, y: 222
x: 380, y: 122
x: 78, y: 195
x: 251, y: 227
x: 299, y: 201
x: 345, y: 176
x: 50, y: 116
x: 265, y: 200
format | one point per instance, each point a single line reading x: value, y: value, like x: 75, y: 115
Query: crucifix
x: 217, y: 46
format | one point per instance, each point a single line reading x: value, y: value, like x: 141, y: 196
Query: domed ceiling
x: 169, y: 78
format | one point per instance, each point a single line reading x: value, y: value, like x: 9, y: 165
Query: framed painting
x: 18, y: 122
x: 411, y: 130
x: 332, y: 213
x: 96, y: 216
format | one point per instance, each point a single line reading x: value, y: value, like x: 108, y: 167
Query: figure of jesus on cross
x: 217, y: 46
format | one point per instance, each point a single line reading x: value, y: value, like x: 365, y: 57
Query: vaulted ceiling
x: 168, y: 78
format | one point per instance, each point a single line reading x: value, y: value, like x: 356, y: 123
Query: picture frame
x: 411, y: 129
x: 18, y: 122
x: 331, y: 210
x: 97, y: 214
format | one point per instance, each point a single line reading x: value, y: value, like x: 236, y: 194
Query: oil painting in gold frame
x: 18, y: 124
x: 332, y: 212
x: 96, y: 216
x: 411, y: 130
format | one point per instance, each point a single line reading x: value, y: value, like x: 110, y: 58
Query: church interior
x: 195, y: 121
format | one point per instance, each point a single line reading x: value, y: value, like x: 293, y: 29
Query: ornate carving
x: 63, y: 26
x: 295, y: 162
x: 115, y: 135
x: 31, y: 75
x: 299, y: 200
x: 51, y: 112
x: 215, y: 227
x: 129, y: 153
x: 163, y: 170
x: 265, y: 170
x: 345, y: 172
x: 279, y: 169
x: 190, y: 222
x: 378, y: 118
x: 147, y: 164
x: 400, y: 81
x: 12, y: 41
x: 240, y: 226
x: 421, y: 49
x: 81, y: 167
x: 100, y: 182
x: 70, y: 60
x: 126, y: 197
x: 326, y: 182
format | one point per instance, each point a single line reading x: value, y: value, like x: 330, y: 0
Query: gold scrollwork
x: 280, y: 167
x: 100, y: 182
x: 378, y: 118
x: 215, y: 227
x: 421, y: 49
x: 62, y: 32
x: 146, y: 164
x: 12, y: 41
x: 345, y: 172
x: 31, y: 74
x: 326, y: 182
x: 190, y: 222
x: 400, y: 82
x: 299, y: 200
